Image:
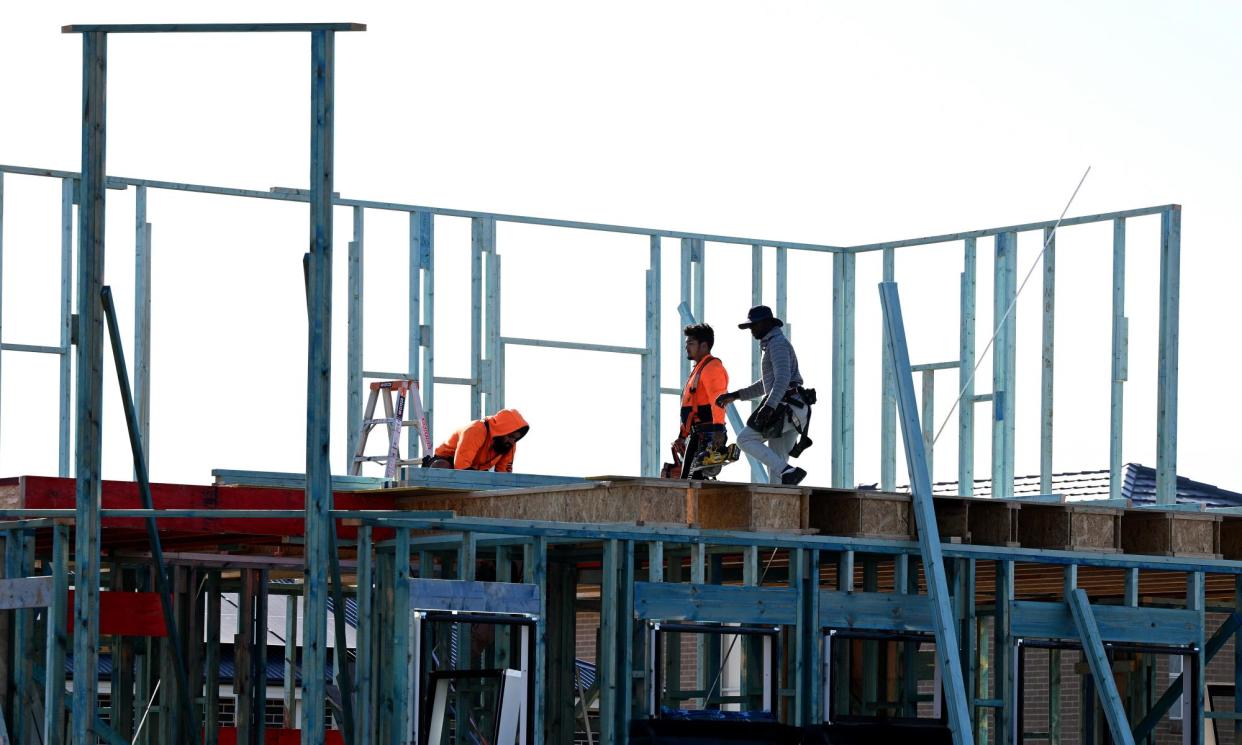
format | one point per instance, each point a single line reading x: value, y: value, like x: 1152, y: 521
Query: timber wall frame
x: 620, y: 591
x: 817, y: 585
x: 487, y: 342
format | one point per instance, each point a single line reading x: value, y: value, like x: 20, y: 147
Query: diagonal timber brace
x: 1097, y: 659
x: 943, y: 622
x: 1174, y: 691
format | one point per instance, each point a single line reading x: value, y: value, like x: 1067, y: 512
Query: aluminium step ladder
x: 393, y: 418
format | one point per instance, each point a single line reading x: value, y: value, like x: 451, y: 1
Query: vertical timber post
x: 353, y: 342
x: 1005, y: 667
x: 1120, y: 354
x: 67, y: 187
x: 482, y: 234
x: 54, y: 667
x: 756, y: 298
x: 1166, y: 374
x: 364, y: 711
x: 1003, y: 366
x: 1046, y: 369
x: 88, y: 452
x: 318, y: 389
x: 211, y: 719
x: 650, y: 458
x: 1193, y: 721
x: 423, y: 225
x: 842, y: 369
x: 888, y: 398
x: 686, y: 284
x: 142, y: 319
x: 966, y: 379
x: 535, y: 571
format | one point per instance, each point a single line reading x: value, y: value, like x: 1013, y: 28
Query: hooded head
x: 507, y: 427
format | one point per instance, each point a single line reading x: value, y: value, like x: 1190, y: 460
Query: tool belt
x: 703, y: 436
x: 796, y: 398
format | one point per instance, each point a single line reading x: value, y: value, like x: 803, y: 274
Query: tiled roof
x: 275, y: 666
x: 1138, y: 485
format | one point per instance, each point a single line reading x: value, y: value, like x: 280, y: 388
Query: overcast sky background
x: 821, y: 122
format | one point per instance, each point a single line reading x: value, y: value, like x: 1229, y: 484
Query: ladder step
x: 384, y: 459
x: 373, y: 422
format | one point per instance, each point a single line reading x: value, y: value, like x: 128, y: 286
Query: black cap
x: 757, y: 314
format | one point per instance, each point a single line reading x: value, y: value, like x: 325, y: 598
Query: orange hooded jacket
x: 470, y: 448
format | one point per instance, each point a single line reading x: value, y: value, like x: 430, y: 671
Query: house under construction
x: 438, y: 606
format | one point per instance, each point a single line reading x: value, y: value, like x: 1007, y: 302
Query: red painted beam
x: 278, y: 736
x: 47, y: 492
x: 127, y: 614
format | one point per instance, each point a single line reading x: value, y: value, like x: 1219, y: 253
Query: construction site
x: 397, y: 603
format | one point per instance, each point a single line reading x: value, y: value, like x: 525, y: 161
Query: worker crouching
x: 487, y: 444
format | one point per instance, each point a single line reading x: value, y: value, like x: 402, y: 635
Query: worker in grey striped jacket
x: 780, y: 379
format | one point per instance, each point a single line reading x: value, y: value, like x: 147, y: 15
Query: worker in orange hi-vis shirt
x: 708, y: 380
x: 483, y: 445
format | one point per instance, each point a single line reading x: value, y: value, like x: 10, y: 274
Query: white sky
x: 836, y: 123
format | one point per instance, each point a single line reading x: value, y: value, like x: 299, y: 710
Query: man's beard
x: 501, y: 445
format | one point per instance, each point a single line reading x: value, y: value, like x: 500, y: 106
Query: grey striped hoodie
x: 780, y: 370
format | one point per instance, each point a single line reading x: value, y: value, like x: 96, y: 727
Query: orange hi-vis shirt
x: 707, y: 381
x: 470, y: 448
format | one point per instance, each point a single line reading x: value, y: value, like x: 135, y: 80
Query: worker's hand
x: 679, y: 448
x: 725, y: 399
x: 763, y: 418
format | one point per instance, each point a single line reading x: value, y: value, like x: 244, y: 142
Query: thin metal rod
x: 147, y: 711
x: 153, y: 534
x: 1012, y: 304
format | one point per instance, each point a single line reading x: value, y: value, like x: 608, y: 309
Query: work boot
x: 792, y: 475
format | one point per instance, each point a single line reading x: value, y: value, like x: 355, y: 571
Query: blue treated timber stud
x: 19, y: 563
x: 1166, y: 372
x: 88, y: 457
x: 1196, y: 601
x: 1237, y: 646
x: 948, y: 654
x: 318, y: 393
x: 1101, y: 667
x: 842, y: 456
x: 535, y: 570
x: 353, y: 343
x: 966, y: 361
x: 54, y: 663
x: 1005, y: 668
